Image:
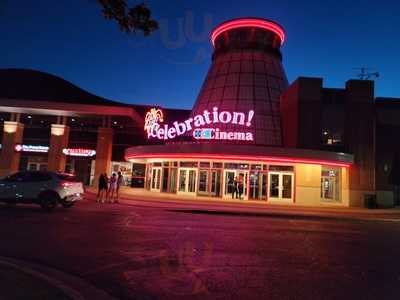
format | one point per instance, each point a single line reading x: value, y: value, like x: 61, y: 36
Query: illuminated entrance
x: 236, y: 184
x: 280, y: 186
x: 155, y: 179
x: 187, y: 181
x: 294, y: 179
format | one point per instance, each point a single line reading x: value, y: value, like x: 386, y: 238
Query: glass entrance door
x: 280, y: 186
x: 155, y: 179
x: 236, y: 184
x: 328, y: 188
x: 187, y: 181
x: 215, y: 183
x: 258, y: 186
x: 203, y: 182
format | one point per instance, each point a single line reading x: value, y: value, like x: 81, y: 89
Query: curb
x: 74, y: 287
x: 239, y: 209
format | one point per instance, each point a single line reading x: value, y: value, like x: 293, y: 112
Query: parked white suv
x: 48, y: 189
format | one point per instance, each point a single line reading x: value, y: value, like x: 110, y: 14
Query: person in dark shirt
x: 102, y: 188
x: 235, y: 188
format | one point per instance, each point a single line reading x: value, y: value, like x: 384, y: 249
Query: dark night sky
x: 71, y: 39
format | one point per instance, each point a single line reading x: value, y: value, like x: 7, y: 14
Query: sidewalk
x: 139, y: 197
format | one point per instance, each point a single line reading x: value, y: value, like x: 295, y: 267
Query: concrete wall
x: 308, y: 186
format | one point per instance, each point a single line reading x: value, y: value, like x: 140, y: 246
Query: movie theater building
x: 249, y: 136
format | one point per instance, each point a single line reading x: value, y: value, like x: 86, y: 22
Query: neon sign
x: 31, y: 148
x: 79, y: 152
x: 155, y: 116
x: 217, y: 134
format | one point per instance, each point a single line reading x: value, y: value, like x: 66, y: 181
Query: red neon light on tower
x: 249, y: 23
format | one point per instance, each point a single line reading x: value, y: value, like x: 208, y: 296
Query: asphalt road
x: 149, y: 252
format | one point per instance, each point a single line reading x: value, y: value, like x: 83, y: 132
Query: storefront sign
x: 79, y: 152
x: 155, y: 116
x: 31, y: 148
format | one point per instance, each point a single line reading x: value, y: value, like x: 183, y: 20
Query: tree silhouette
x: 129, y: 19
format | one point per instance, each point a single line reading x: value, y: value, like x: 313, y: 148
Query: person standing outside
x: 240, y: 186
x: 235, y: 188
x: 120, y: 182
x: 112, y: 189
x: 102, y: 188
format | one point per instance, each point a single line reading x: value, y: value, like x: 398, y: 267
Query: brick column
x: 9, y: 159
x: 58, y: 141
x: 103, y: 152
x: 359, y: 138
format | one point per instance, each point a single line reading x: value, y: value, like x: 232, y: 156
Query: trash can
x: 370, y: 201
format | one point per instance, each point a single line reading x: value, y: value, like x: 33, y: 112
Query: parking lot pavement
x: 151, y: 252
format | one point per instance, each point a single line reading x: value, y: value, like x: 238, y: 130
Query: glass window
x: 261, y: 93
x: 232, y: 79
x: 220, y: 81
x: 247, y: 66
x: 256, y: 167
x: 230, y: 92
x: 172, y: 180
x: 204, y: 164
x: 217, y: 165
x: 15, y: 177
x: 330, y: 184
x: 188, y: 164
x: 67, y: 177
x: 281, y: 168
x: 217, y: 94
x: 165, y: 179
x: 32, y: 167
x: 41, y: 176
x: 246, y: 79
x: 246, y: 92
x: 203, y: 182
x: 235, y: 67
x: 259, y: 67
x: 236, y: 166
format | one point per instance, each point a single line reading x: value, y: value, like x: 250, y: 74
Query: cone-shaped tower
x: 247, y: 74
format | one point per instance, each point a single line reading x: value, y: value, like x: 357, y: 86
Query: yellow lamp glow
x: 57, y: 129
x: 10, y: 126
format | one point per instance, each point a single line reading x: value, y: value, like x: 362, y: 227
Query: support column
x: 103, y: 152
x: 58, y: 141
x: 9, y: 158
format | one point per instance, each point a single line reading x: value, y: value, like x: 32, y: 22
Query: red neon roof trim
x: 240, y: 157
x: 249, y: 22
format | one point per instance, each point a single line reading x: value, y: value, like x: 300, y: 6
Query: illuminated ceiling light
x: 72, y: 120
x: 57, y: 129
x: 249, y: 22
x: 29, y: 117
x: 115, y: 123
x: 325, y: 132
x: 10, y: 126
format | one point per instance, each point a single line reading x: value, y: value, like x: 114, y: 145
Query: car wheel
x: 67, y: 204
x: 49, y: 200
